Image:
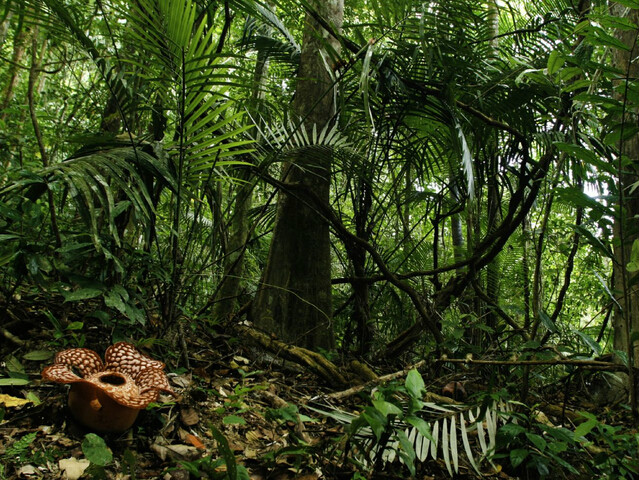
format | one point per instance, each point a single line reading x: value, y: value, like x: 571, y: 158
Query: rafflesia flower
x: 108, y: 398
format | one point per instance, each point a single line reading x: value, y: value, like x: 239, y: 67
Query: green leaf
x: 114, y: 299
x: 584, y: 429
x: 621, y: 132
x: 590, y: 342
x: 289, y: 413
x: 96, y: 450
x: 415, y: 384
x: 226, y: 452
x: 13, y: 365
x: 633, y: 264
x: 233, y: 420
x: 555, y: 61
x: 6, y: 236
x: 421, y: 425
x: 537, y: 440
x: 38, y: 355
x: 375, y: 420
x: 511, y: 430
x: 82, y: 294
x: 407, y: 451
x: 386, y: 408
x: 13, y: 382
x: 629, y: 3
x: 558, y: 447
x: 547, y: 322
x: 517, y: 456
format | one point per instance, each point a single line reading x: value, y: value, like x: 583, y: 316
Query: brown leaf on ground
x: 189, y: 416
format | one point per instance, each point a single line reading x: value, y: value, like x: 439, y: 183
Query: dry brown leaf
x: 189, y: 416
x: 254, y: 436
x: 182, y: 380
x: 179, y: 452
x: 250, y: 453
x: 196, y: 442
x: 27, y: 471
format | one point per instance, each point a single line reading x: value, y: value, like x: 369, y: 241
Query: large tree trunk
x: 294, y: 299
x: 626, y: 228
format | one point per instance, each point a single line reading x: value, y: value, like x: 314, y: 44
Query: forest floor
x: 267, y: 412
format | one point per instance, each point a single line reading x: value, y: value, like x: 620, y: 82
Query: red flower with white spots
x: 103, y: 394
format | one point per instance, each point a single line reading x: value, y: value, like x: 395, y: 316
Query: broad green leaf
x: 81, y: 294
x: 375, y: 420
x: 233, y: 420
x: 96, y: 450
x: 386, y: 408
x: 38, y: 355
x: 621, y: 132
x: 407, y: 451
x: 225, y: 451
x: 421, y: 425
x: 590, y: 342
x: 584, y: 428
x: 517, y: 456
x: 537, y: 440
x: 633, y: 264
x: 555, y: 61
x: 547, y: 322
x: 415, y: 384
x: 114, y: 299
x: 9, y: 382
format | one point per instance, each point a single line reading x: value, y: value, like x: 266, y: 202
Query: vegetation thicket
x: 354, y: 187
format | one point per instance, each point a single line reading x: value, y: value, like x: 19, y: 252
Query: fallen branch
x: 384, y: 378
x: 593, y: 364
x: 315, y: 362
x: 11, y: 337
x: 278, y: 402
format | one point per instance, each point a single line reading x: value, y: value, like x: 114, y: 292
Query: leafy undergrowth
x: 242, y: 414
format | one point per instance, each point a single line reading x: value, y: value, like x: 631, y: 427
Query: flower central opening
x: 113, y: 379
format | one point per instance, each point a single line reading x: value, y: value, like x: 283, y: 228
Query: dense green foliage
x: 448, y: 116
x: 475, y: 180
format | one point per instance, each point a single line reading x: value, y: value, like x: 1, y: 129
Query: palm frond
x: 450, y: 429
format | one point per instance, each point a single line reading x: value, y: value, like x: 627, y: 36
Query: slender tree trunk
x: 493, y: 270
x: 19, y: 48
x: 493, y: 207
x: 229, y: 290
x: 5, y: 24
x: 34, y: 71
x: 626, y: 228
x: 361, y: 310
x: 294, y: 299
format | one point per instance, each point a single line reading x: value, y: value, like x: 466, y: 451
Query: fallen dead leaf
x: 27, y: 471
x: 73, y: 468
x: 254, y: 436
x: 182, y: 380
x: 189, y: 416
x: 196, y: 442
x: 179, y: 452
x: 12, y: 402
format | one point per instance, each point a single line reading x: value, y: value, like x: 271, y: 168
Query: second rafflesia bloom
x: 107, y: 396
